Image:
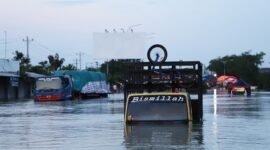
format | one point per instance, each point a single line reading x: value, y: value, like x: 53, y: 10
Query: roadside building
x: 264, y: 70
x: 11, y: 84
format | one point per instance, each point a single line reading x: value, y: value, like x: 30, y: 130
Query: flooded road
x: 229, y: 123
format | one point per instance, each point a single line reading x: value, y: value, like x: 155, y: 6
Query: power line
x: 52, y: 50
x: 12, y: 39
x: 8, y: 42
x: 45, y: 47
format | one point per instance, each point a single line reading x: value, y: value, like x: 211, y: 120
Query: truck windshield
x: 49, y: 83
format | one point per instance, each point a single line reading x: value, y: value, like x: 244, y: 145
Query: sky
x: 189, y: 29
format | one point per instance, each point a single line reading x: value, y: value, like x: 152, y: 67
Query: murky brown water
x: 229, y: 123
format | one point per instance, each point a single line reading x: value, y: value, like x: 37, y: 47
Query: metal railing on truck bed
x: 174, y: 76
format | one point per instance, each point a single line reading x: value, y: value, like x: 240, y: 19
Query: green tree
x: 264, y: 81
x: 245, y: 66
x: 43, y: 63
x: 69, y: 67
x: 24, y: 62
x: 55, y: 62
x: 41, y: 68
x: 92, y: 69
x: 116, y: 70
x: 18, y: 56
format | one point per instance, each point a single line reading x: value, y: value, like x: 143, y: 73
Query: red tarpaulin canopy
x: 226, y: 79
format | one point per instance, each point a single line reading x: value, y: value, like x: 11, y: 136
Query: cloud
x: 71, y: 2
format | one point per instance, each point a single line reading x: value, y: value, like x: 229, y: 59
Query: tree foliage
x: 264, y: 81
x: 245, y: 66
x: 18, y: 56
x: 69, y: 67
x: 43, y: 67
x: 92, y: 69
x: 24, y: 62
x: 39, y: 69
x: 55, y: 62
x: 116, y: 70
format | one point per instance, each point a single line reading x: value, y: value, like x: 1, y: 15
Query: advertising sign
x: 14, y: 81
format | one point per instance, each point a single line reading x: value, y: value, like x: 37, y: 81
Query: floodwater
x: 236, y: 122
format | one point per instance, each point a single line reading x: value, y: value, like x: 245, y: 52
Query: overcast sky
x: 190, y: 29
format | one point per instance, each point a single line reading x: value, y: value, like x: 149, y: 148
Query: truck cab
x: 53, y: 88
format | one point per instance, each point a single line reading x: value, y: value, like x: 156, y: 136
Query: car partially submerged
x: 240, y: 87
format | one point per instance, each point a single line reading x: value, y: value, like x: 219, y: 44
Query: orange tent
x: 226, y: 79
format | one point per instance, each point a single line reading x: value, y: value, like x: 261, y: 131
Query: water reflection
x: 91, y: 106
x: 163, y: 136
x: 236, y: 122
x: 241, y: 106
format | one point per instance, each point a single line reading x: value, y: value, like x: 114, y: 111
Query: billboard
x: 119, y: 45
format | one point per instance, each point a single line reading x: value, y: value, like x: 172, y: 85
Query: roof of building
x: 6, y: 74
x: 264, y: 70
x: 33, y: 75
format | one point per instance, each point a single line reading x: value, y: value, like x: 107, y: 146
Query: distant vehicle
x: 53, y: 88
x: 66, y: 84
x: 239, y: 87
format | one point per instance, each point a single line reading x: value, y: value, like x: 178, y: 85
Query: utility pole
x: 5, y: 44
x: 76, y: 63
x: 107, y: 68
x: 27, y: 40
x: 97, y: 65
x: 80, y: 58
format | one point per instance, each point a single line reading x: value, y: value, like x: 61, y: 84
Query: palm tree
x: 55, y: 62
x: 18, y: 56
x: 24, y: 62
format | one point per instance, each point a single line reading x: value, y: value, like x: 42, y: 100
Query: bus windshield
x: 53, y: 83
